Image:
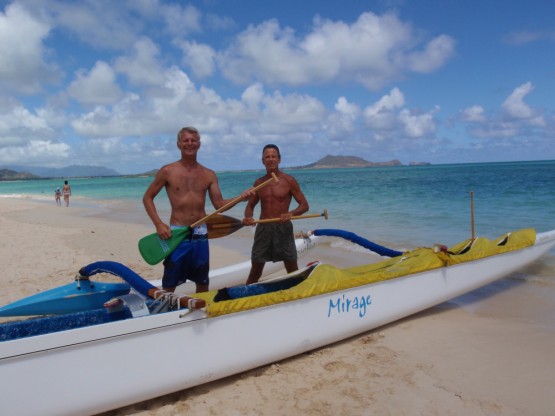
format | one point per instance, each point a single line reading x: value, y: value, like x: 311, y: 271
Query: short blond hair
x: 188, y: 129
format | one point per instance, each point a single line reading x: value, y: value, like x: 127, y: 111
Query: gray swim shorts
x: 274, y: 242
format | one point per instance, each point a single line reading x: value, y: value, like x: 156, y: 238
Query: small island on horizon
x: 332, y: 162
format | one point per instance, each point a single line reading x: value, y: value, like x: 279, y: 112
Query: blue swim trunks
x: 189, y: 261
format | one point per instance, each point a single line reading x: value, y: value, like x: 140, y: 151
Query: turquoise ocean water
x: 417, y: 205
x: 400, y: 207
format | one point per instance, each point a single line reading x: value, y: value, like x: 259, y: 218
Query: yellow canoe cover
x: 326, y: 278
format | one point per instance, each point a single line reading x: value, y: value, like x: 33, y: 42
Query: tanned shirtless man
x: 274, y: 241
x: 187, y: 183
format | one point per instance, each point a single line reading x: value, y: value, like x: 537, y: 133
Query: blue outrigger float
x: 79, y: 296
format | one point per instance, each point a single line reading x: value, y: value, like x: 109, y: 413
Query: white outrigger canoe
x: 103, y: 366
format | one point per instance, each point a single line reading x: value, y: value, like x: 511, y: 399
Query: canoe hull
x: 63, y: 372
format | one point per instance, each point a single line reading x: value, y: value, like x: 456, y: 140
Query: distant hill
x: 419, y: 163
x: 152, y: 172
x: 330, y: 162
x: 11, y: 175
x: 73, y: 171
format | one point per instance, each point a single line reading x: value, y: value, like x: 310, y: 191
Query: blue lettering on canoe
x: 344, y: 304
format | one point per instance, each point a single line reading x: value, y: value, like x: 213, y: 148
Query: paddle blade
x: 222, y: 225
x: 154, y: 249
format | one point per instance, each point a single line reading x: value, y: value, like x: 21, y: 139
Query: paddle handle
x: 234, y: 201
x: 294, y: 217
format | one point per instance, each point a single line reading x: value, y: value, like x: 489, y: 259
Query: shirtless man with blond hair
x: 274, y: 241
x: 187, y: 183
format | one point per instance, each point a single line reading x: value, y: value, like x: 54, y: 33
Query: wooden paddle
x: 472, y: 214
x: 222, y: 225
x: 235, y: 201
x: 153, y: 249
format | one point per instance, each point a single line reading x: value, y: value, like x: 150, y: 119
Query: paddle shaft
x: 223, y: 225
x: 235, y: 223
x: 294, y: 217
x: 234, y: 201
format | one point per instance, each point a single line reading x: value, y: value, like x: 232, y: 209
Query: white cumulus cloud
x: 98, y: 86
x: 22, y: 64
x: 515, y: 106
x: 380, y: 48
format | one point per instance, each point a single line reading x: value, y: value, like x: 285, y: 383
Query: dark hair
x: 189, y: 130
x: 271, y: 146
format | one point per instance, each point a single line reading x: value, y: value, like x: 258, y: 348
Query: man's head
x: 188, y: 141
x: 190, y: 130
x: 271, y: 157
x: 270, y: 146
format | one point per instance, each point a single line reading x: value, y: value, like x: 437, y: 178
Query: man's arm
x: 153, y: 189
x: 302, y: 206
x: 214, y: 191
x: 249, y: 209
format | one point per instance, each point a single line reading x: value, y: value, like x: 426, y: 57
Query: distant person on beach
x: 58, y: 197
x: 187, y: 183
x: 67, y: 192
x: 274, y: 241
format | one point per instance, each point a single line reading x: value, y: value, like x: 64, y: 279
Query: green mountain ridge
x: 8, y: 174
x: 73, y: 171
x: 330, y: 162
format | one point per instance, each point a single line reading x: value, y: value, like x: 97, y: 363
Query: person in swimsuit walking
x: 58, y: 197
x: 67, y: 192
x: 187, y: 183
x: 274, y: 241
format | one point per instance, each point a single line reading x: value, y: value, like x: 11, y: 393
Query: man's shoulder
x: 261, y: 179
x: 169, y: 165
x: 206, y: 169
x: 286, y: 177
x: 169, y: 170
x: 206, y: 172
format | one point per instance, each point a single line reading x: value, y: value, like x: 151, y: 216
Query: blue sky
x: 102, y: 82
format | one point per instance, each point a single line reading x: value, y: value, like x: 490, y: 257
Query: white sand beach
x: 481, y: 358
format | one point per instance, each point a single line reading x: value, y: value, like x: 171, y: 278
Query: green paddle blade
x: 154, y: 249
